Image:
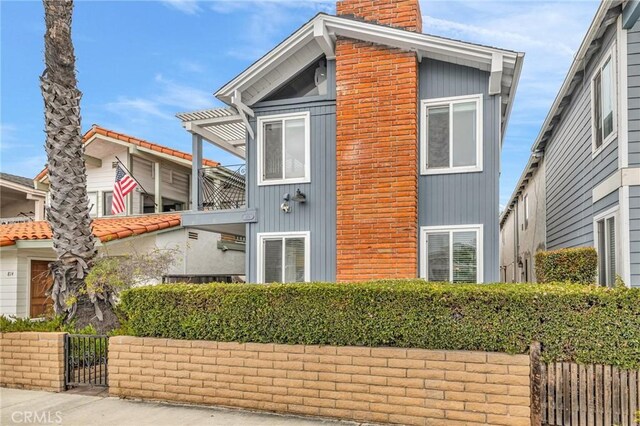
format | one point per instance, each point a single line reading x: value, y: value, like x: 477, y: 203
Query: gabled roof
x: 605, y: 16
x: 97, y: 131
x: 317, y: 37
x: 18, y: 180
x: 106, y: 229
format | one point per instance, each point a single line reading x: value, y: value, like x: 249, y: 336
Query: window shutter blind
x: 272, y: 261
x: 612, y: 250
x: 294, y: 260
x: 464, y: 257
x: 438, y: 257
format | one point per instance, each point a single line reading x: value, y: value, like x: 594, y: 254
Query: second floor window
x: 603, y: 90
x: 283, y: 149
x: 451, y: 135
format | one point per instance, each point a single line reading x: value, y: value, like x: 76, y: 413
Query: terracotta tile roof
x: 106, y: 229
x: 97, y: 130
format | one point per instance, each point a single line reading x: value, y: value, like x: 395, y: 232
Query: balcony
x: 222, y: 187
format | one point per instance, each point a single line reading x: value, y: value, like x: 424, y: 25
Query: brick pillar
x: 377, y: 148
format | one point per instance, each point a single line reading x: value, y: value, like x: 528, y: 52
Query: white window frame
x: 608, y: 214
x: 306, y: 235
x: 478, y: 228
x: 307, y: 146
x: 450, y: 101
x: 611, y: 54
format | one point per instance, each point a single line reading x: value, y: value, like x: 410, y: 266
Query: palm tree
x: 68, y: 210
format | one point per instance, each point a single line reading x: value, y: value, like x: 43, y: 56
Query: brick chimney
x: 377, y: 147
x: 403, y: 14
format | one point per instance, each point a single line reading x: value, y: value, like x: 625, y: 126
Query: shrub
x: 15, y: 325
x: 576, y: 265
x: 574, y: 322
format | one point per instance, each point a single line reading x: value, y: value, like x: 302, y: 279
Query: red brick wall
x: 399, y: 13
x: 377, y: 151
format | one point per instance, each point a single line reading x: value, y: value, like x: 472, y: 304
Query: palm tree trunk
x: 68, y: 210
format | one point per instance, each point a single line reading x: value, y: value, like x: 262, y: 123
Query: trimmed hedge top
x: 580, y: 323
x: 576, y: 265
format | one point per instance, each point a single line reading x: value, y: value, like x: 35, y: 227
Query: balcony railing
x: 17, y: 219
x: 223, y: 187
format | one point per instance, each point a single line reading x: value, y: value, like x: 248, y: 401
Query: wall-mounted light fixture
x: 285, y: 207
x: 299, y: 197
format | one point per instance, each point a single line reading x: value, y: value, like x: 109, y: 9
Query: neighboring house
x: 372, y: 150
x: 164, y: 175
x: 20, y: 201
x: 587, y: 155
x: 522, y: 228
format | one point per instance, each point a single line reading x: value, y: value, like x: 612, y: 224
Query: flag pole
x: 133, y: 177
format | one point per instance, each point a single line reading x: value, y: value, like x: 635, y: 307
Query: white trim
x: 307, y: 146
x: 475, y: 55
x: 479, y: 229
x: 306, y: 235
x: 607, y: 214
x: 607, y: 186
x: 450, y: 101
x: 610, y: 55
x: 623, y: 102
x: 625, y: 235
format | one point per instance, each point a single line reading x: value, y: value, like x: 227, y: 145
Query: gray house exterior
x: 586, y: 151
x: 455, y: 227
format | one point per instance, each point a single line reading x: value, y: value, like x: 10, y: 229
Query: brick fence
x: 409, y: 386
x: 32, y: 361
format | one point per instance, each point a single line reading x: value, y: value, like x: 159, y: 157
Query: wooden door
x: 40, y: 283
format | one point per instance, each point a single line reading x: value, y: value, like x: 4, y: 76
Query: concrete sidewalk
x: 23, y: 407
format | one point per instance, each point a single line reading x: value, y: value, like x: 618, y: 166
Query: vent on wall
x: 193, y: 235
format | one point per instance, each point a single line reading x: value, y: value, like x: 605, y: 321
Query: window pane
x: 294, y: 260
x: 597, y: 101
x: 273, y: 150
x: 438, y: 257
x: 107, y: 198
x: 272, y: 261
x: 93, y: 203
x: 607, y: 99
x: 611, y: 248
x: 602, y: 256
x: 464, y: 134
x: 465, y: 261
x: 294, y: 148
x: 438, y: 137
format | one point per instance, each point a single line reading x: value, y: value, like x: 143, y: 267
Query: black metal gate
x: 86, y: 360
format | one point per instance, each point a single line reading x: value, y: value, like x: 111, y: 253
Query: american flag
x: 124, y: 184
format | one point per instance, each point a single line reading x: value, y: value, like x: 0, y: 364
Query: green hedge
x: 576, y: 265
x: 15, y: 325
x: 574, y: 322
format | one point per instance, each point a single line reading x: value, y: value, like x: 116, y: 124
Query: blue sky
x: 141, y: 62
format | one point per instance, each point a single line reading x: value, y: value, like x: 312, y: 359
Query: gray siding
x: 634, y: 234
x: 464, y: 198
x: 633, y: 77
x: 318, y: 214
x: 571, y: 173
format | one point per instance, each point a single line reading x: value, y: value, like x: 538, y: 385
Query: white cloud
x: 169, y: 97
x: 8, y: 136
x: 268, y: 22
x: 190, y: 7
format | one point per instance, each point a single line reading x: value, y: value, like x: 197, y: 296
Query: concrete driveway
x: 23, y: 407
